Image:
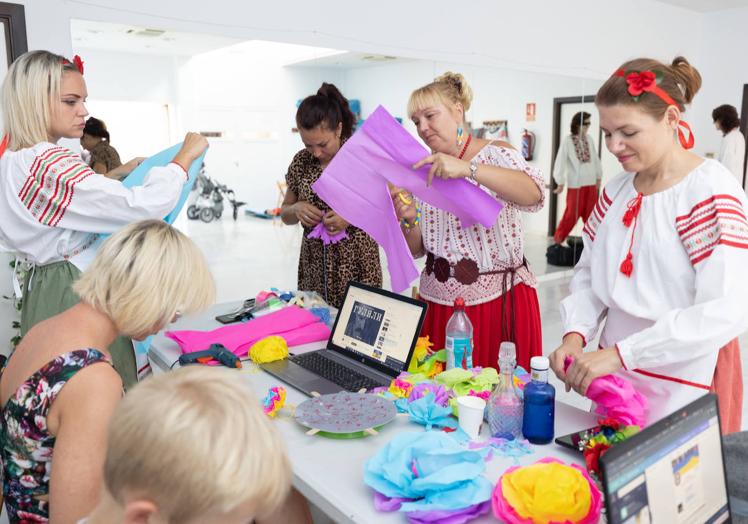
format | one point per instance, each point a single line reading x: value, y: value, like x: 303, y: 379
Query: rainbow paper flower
x: 274, y: 400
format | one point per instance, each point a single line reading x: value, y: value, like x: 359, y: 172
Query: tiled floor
x: 253, y: 254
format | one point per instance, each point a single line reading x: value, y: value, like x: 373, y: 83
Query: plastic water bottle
x: 459, y: 339
x: 504, y: 405
x: 540, y: 404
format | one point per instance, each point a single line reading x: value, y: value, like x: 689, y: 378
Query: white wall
x: 498, y: 94
x: 724, y: 73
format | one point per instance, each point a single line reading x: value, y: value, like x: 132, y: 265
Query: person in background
x: 486, y: 267
x: 53, y: 207
x: 577, y: 167
x: 664, y: 255
x: 325, y: 122
x: 193, y: 446
x: 732, y: 148
x: 104, y: 159
x: 58, y: 387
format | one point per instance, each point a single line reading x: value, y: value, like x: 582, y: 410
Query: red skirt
x: 488, y: 328
x: 728, y: 385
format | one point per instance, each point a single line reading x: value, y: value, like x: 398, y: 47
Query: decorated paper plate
x: 345, y: 415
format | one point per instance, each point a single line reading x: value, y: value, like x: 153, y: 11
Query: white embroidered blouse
x: 52, y: 205
x: 686, y: 295
x: 496, y: 248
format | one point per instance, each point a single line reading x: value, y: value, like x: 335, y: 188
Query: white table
x: 329, y: 472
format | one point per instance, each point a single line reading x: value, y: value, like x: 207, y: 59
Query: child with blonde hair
x: 194, y: 446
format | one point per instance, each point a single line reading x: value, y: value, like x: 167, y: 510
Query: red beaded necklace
x: 464, y: 148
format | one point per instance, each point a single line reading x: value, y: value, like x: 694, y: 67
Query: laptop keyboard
x: 333, y: 371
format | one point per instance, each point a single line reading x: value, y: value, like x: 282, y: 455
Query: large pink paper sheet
x: 296, y: 325
x: 355, y: 186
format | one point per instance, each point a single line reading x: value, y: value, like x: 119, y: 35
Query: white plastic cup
x: 470, y: 414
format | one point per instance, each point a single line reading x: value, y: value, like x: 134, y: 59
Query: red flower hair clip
x: 641, y: 82
x: 645, y: 81
x: 77, y: 62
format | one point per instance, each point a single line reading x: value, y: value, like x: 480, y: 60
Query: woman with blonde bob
x: 59, y: 389
x: 485, y: 267
x: 52, y: 205
x: 193, y: 446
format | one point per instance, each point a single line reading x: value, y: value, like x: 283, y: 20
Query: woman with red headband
x: 53, y: 205
x: 484, y: 266
x: 665, y: 255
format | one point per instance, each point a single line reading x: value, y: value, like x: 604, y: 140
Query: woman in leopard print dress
x: 325, y: 122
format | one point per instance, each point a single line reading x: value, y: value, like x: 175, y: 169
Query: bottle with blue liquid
x: 540, y: 404
x: 505, y: 405
x: 459, y: 339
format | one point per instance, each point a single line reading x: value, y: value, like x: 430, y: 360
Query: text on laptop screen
x: 677, y: 476
x: 376, y: 326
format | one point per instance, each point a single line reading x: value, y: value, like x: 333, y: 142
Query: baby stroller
x: 207, y: 203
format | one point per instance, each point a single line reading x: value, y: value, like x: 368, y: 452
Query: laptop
x: 371, y: 343
x: 672, y: 471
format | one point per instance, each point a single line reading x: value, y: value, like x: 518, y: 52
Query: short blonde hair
x: 29, y: 89
x: 197, y: 443
x: 145, y: 273
x: 449, y: 88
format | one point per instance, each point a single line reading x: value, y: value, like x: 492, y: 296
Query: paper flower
x: 418, y: 473
x: 400, y: 388
x: 274, y: 400
x: 546, y: 492
x: 441, y: 395
x: 78, y: 62
x: 269, y: 349
x: 321, y: 232
x: 427, y: 412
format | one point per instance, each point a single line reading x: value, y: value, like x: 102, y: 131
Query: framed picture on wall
x: 13, y: 38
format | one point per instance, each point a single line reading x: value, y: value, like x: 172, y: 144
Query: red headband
x: 77, y: 62
x: 646, y: 82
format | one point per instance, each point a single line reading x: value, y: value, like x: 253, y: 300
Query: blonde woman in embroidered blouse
x: 500, y: 297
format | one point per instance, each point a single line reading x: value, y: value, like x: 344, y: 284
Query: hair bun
x: 458, y: 83
x: 688, y: 77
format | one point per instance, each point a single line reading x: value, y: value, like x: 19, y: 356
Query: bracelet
x: 186, y: 174
x: 406, y: 226
x: 474, y: 171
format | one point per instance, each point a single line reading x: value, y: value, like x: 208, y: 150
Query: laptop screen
x: 377, y: 327
x: 670, y: 472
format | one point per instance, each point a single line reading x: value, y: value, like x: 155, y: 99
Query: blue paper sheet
x: 137, y: 178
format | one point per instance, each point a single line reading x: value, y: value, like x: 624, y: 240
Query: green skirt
x: 51, y: 293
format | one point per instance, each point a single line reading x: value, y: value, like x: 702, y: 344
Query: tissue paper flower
x: 546, y: 492
x: 274, y: 400
x: 441, y: 395
x: 427, y: 412
x: 421, y: 473
x: 321, y: 232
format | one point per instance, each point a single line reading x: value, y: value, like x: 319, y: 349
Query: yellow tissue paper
x: 548, y: 492
x: 268, y: 349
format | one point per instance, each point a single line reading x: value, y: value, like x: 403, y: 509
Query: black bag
x: 558, y: 255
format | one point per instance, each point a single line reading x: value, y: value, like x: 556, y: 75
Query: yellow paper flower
x: 548, y: 492
x: 269, y: 349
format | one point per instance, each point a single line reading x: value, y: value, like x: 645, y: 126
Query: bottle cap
x: 459, y: 303
x: 507, y: 352
x: 539, y: 363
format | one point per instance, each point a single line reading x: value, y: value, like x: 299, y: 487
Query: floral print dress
x: 26, y: 445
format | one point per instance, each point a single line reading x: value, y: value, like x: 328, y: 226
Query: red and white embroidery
x: 50, y: 186
x: 598, y: 213
x: 717, y: 220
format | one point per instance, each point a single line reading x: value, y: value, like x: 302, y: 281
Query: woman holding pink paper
x: 486, y: 267
x: 665, y: 252
x: 333, y: 252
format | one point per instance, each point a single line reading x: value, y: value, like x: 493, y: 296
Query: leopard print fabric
x: 327, y: 270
